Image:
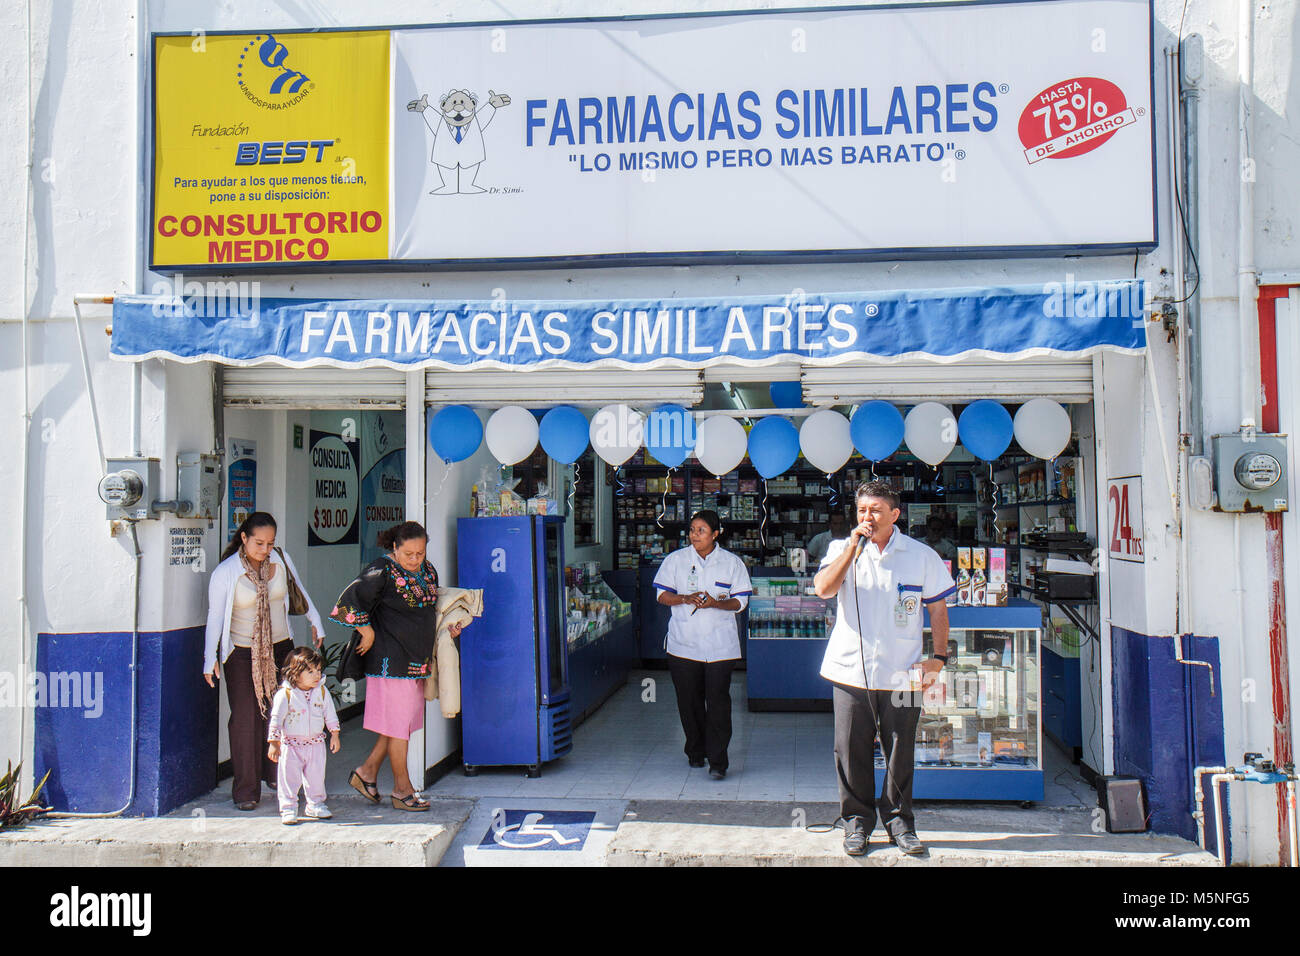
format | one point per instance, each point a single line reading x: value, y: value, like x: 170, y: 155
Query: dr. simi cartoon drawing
x: 458, y: 137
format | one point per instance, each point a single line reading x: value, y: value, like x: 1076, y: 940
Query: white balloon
x: 511, y: 434
x: 930, y: 432
x: 720, y: 443
x: 1042, y: 427
x: 616, y: 432
x: 825, y: 441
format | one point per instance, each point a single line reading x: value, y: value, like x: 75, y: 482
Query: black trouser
x: 247, y: 726
x: 859, y: 716
x: 704, y: 704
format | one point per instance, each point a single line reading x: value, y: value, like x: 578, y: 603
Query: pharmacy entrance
x: 1017, y: 716
x: 562, y: 675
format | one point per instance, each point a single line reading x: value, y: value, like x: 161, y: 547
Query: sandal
x: 368, y: 790
x: 409, y: 802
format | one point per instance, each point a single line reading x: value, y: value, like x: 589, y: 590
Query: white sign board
x: 962, y: 128
x: 332, y: 518
x: 1124, y: 509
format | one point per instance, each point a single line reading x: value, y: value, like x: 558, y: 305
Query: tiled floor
x: 631, y: 748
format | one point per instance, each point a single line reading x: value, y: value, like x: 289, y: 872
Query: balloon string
x: 446, y: 470
x: 573, y: 488
x: 618, y: 480
x: 939, y: 489
x: 663, y: 504
x: 873, y: 469
x: 835, y: 496
x: 762, y: 525
x: 994, y: 503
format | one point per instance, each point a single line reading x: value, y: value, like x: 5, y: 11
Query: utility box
x: 198, y: 484
x: 1250, y: 475
x: 129, y: 488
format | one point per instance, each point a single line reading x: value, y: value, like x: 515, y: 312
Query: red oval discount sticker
x: 1073, y: 117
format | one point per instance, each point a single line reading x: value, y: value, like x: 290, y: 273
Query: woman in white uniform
x: 706, y: 586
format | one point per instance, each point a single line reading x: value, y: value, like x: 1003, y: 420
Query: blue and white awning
x: 223, y: 322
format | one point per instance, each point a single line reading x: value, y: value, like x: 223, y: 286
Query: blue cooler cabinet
x: 514, y: 665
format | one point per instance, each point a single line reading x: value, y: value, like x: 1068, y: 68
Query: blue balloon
x: 876, y: 429
x: 670, y: 434
x: 773, y: 445
x: 455, y: 433
x: 786, y: 394
x: 564, y: 432
x: 985, y: 429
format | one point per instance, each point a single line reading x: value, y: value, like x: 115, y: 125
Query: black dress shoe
x: 246, y: 805
x: 855, y: 843
x: 908, y: 843
x: 695, y: 761
x: 717, y: 773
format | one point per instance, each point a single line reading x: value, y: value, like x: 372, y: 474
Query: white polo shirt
x: 709, y: 634
x: 892, y: 585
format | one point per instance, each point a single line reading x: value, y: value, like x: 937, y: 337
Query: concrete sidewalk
x: 457, y: 832
x: 211, y: 832
x: 677, y: 833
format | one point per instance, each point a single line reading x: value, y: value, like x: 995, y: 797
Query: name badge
x: 906, y: 606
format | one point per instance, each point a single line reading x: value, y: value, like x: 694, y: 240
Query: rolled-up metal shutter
x: 275, y: 386
x: 1066, y: 380
x: 586, y: 387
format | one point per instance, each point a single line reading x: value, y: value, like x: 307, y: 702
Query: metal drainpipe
x: 1247, y: 279
x: 1199, y: 813
x: 1191, y: 63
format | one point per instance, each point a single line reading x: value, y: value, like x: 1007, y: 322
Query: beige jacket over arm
x: 455, y: 605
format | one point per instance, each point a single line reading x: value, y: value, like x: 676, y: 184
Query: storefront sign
x: 1124, y: 496
x: 974, y: 129
x: 241, y: 482
x: 332, y: 518
x: 270, y: 148
x: 1068, y: 317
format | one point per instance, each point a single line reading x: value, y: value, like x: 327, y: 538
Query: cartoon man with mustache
x: 458, y: 137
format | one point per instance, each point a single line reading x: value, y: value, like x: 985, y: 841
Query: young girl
x: 301, y: 711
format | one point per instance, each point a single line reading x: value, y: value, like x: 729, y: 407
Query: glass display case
x: 980, y: 735
x: 593, y: 608
x: 602, y: 639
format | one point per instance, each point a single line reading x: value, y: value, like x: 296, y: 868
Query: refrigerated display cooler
x: 514, y: 665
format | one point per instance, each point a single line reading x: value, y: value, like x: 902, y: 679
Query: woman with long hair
x: 393, y: 605
x: 248, y: 634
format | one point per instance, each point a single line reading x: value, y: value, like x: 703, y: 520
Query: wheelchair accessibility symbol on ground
x: 538, y: 830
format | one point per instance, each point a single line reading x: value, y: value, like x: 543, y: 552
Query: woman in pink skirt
x: 393, y: 604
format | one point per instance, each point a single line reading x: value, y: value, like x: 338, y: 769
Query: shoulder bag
x: 297, y: 600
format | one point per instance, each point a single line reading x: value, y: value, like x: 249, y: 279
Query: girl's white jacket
x: 221, y: 602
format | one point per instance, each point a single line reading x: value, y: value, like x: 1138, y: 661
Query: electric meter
x: 129, y: 488
x: 1250, y: 474
x: 1258, y: 471
x: 121, y: 489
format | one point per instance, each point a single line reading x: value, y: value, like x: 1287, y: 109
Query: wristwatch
x: 943, y: 658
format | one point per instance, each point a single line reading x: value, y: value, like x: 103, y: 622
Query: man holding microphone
x: 873, y: 648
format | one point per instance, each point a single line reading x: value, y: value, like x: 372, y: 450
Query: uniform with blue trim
x: 703, y: 646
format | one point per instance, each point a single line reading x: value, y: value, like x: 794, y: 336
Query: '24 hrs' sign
x: 1124, y: 496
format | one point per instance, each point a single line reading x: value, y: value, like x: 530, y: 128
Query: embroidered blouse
x: 402, y: 607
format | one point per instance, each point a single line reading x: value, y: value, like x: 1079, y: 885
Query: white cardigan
x: 221, y: 602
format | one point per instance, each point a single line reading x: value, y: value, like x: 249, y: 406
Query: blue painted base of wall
x: 86, y: 747
x: 1166, y: 722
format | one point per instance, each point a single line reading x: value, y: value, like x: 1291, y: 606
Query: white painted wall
x: 83, y: 232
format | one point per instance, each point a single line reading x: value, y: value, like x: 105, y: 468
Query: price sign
x: 1073, y: 117
x: 1124, y: 496
x: 334, y: 490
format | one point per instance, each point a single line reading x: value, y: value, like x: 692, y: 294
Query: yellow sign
x: 270, y: 148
